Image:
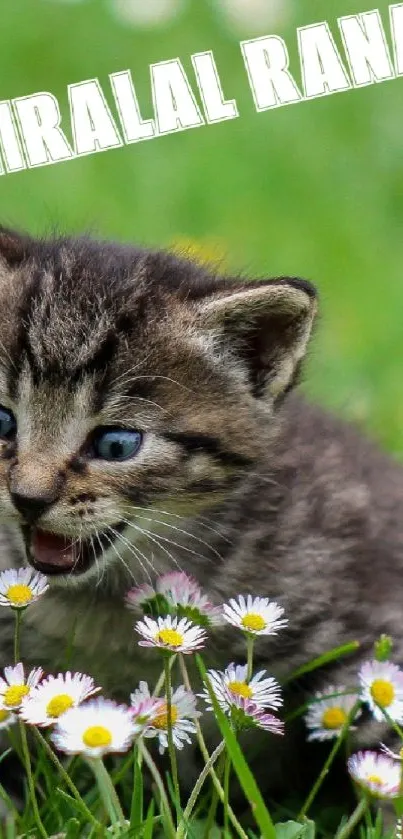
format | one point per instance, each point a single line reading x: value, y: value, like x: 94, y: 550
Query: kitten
x: 147, y: 421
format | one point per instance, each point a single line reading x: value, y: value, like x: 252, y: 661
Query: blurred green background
x: 314, y: 189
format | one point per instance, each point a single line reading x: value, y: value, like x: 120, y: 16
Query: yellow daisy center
x: 334, y: 718
x: 19, y: 595
x: 253, y: 622
x: 240, y: 689
x: 170, y: 637
x: 97, y: 735
x: 375, y: 779
x: 59, y: 704
x: 14, y: 694
x: 161, y: 720
x: 382, y: 692
x: 4, y: 715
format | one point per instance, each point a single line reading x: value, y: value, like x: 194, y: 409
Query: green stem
x: 181, y: 832
x: 17, y: 634
x: 30, y: 779
x: 227, y: 770
x: 107, y: 790
x: 171, y: 747
x: 328, y: 762
x: 354, y: 819
x: 159, y: 784
x: 250, y: 640
x: 204, y: 750
x: 66, y: 777
x: 160, y: 684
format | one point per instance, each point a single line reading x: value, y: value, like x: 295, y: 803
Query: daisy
x: 14, y: 686
x: 138, y: 597
x: 56, y: 695
x: 21, y: 586
x: 376, y: 773
x: 173, y: 634
x: 93, y: 729
x: 183, y: 714
x: 178, y: 594
x: 144, y: 706
x: 265, y: 693
x: 255, y: 615
x: 7, y: 718
x: 326, y: 716
x: 247, y: 714
x: 382, y: 688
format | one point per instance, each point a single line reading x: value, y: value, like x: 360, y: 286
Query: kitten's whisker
x: 152, y: 537
x: 132, y: 550
x: 180, y: 530
x: 183, y: 518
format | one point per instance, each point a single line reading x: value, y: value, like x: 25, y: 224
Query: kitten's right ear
x: 13, y: 247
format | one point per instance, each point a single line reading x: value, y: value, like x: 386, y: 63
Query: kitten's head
x: 130, y: 381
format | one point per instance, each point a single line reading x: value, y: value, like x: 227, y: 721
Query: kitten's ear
x: 13, y: 247
x: 267, y: 324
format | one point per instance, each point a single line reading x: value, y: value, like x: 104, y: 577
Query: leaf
x: 136, y: 811
x: 149, y: 823
x: 295, y: 830
x: 325, y: 658
x: 246, y: 779
x: 72, y: 829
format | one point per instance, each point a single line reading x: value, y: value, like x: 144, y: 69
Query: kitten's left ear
x: 13, y: 247
x: 267, y: 324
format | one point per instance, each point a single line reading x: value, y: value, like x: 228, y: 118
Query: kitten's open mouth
x: 53, y: 553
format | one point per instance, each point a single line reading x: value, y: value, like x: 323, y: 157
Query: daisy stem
x: 30, y: 779
x: 249, y: 646
x: 66, y: 777
x: 17, y: 635
x: 159, y: 784
x: 160, y: 684
x: 171, y: 747
x: 227, y: 770
x: 107, y: 790
x: 204, y: 750
x: 326, y: 766
x: 354, y: 819
x: 181, y: 832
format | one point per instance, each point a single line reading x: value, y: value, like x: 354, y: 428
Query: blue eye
x: 8, y: 425
x: 116, y: 444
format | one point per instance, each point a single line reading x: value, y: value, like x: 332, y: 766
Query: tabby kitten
x: 146, y: 422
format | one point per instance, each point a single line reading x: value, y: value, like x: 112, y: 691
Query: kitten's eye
x: 116, y: 444
x: 8, y: 425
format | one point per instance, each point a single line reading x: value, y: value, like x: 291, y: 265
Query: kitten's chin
x: 54, y: 554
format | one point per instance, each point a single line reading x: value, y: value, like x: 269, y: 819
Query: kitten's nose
x: 31, y: 506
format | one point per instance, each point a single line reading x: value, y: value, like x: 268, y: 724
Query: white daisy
x: 21, y: 586
x: 265, y: 693
x: 55, y: 696
x: 183, y: 714
x: 7, y: 718
x: 93, y: 729
x: 173, y: 634
x: 382, y: 688
x: 138, y: 597
x: 176, y: 594
x: 326, y: 716
x: 144, y: 706
x: 255, y: 615
x: 376, y: 773
x: 14, y: 686
x: 245, y: 713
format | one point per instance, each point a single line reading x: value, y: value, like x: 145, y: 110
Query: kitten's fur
x: 243, y: 485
